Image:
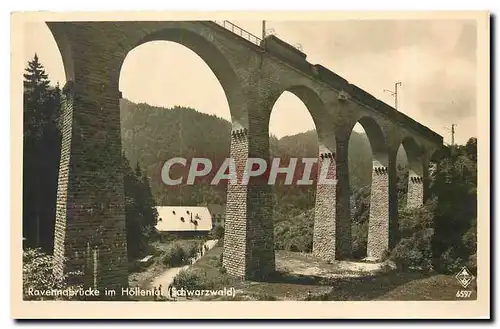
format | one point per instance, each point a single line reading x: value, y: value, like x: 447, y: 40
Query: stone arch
x: 239, y: 258
x: 178, y: 32
x: 317, y: 110
x: 208, y: 52
x: 414, y: 156
x: 65, y: 48
x: 378, y: 222
x: 176, y: 62
x: 377, y: 140
x: 415, y: 163
x: 182, y: 79
x: 90, y: 184
x: 324, y: 215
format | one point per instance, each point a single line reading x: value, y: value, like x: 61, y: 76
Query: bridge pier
x: 343, y: 230
x: 378, y: 223
x: 324, y: 211
x: 235, y: 226
x: 418, y: 184
x: 90, y: 198
x: 393, y: 199
x: 249, y: 236
x: 415, y: 197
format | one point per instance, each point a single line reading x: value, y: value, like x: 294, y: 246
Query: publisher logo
x: 464, y: 277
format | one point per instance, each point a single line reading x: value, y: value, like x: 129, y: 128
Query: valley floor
x: 299, y: 276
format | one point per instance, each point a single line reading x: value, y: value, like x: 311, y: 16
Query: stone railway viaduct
x: 90, y: 218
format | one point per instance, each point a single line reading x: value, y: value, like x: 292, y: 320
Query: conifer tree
x: 35, y: 77
x: 41, y: 153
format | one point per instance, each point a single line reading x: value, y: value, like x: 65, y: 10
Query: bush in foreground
x: 217, y: 232
x: 189, y: 279
x: 175, y: 256
x: 414, y: 250
x: 38, y: 275
x: 179, y: 254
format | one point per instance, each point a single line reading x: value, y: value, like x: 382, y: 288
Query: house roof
x: 183, y: 218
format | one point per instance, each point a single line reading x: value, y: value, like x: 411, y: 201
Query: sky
x: 434, y: 59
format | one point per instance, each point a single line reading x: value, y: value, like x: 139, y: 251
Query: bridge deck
x: 323, y: 74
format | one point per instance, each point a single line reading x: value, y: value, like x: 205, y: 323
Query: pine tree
x: 35, y: 76
x: 41, y: 153
x: 36, y: 89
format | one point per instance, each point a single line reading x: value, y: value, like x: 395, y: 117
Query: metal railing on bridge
x: 247, y: 35
x: 239, y: 31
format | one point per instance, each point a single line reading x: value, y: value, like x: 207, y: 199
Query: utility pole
x: 395, y: 93
x: 453, y: 125
x: 453, y: 134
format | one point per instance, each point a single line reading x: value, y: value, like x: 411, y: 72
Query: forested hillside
x: 151, y: 135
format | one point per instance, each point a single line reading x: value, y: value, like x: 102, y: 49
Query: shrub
x: 178, y: 254
x: 266, y: 297
x: 293, y: 232
x: 469, y: 239
x: 359, y: 239
x: 220, y: 264
x: 415, y: 220
x: 212, y: 261
x: 217, y: 232
x: 472, y: 263
x: 415, y: 251
x: 166, y: 237
x: 175, y: 256
x: 219, y: 261
x: 450, y: 261
x: 193, y: 250
x: 38, y: 275
x: 189, y: 279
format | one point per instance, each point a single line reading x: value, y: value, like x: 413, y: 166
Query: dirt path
x: 167, y: 277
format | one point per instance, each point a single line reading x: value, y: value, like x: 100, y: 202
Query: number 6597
x: 464, y: 293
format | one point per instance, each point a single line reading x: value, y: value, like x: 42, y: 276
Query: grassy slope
x: 287, y: 286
